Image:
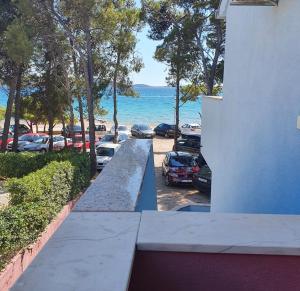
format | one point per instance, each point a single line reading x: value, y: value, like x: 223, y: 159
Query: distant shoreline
x: 153, y: 106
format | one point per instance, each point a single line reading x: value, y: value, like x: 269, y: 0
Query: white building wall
x: 250, y: 138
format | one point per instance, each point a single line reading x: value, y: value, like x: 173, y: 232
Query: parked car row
x: 38, y: 142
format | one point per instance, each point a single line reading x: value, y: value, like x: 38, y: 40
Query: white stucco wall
x: 256, y: 163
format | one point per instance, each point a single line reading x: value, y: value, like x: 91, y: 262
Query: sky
x: 153, y: 73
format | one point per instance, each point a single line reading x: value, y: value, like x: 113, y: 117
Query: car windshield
x: 182, y: 161
x: 106, y: 152
x: 41, y: 140
x: 122, y: 127
x: 144, y: 127
x: 30, y: 138
x: 107, y: 138
x: 76, y: 127
x: 191, y: 137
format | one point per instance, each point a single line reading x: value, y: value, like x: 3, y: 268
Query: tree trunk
x: 17, y: 109
x: 115, y: 99
x: 70, y: 98
x: 64, y: 131
x: 9, y: 107
x: 76, y: 72
x: 88, y: 68
x: 81, y: 121
x: 177, y: 108
x: 50, y: 129
x: 72, y: 119
x: 212, y: 76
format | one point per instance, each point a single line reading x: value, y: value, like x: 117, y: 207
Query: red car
x: 179, y: 167
x: 10, y: 138
x: 78, y: 145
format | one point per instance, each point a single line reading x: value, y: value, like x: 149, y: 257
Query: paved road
x: 170, y: 197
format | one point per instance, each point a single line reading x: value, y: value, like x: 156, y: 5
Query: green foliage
x: 51, y: 183
x: 2, y: 113
x: 17, y: 43
x: 191, y: 92
x: 20, y: 164
x: 21, y: 225
x: 39, y: 196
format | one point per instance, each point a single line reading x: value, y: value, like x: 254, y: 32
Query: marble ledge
x: 90, y: 251
x: 118, y: 186
x: 219, y: 233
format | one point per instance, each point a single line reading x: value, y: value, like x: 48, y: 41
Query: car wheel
x: 43, y: 151
x: 167, y: 180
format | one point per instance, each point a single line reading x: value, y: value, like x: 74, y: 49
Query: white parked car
x: 104, y: 153
x: 188, y: 128
x: 121, y: 129
x: 109, y: 138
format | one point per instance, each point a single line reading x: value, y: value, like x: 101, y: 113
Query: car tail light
x: 195, y: 169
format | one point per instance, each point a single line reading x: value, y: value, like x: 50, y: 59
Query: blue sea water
x: 154, y: 105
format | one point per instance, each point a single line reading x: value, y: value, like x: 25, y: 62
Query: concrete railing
x: 127, y: 183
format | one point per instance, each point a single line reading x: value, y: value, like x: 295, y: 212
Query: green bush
x: 21, y: 225
x: 51, y: 183
x: 20, y: 164
x: 37, y: 197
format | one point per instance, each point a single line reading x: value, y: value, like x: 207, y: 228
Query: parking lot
x: 170, y: 197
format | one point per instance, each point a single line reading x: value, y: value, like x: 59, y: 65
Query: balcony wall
x: 211, y: 127
x: 106, y: 244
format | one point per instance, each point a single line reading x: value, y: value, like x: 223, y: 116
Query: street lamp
x: 255, y: 2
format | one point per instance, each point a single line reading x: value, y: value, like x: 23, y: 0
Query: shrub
x: 20, y: 225
x: 20, y: 164
x: 38, y: 197
x: 51, y: 183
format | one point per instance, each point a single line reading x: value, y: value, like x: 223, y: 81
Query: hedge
x: 20, y: 164
x: 21, y: 225
x: 37, y: 197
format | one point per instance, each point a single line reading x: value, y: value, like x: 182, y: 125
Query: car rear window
x: 122, y: 128
x: 107, y: 138
x: 182, y: 161
x: 29, y: 138
x: 144, y: 127
x: 205, y: 171
x: 107, y: 152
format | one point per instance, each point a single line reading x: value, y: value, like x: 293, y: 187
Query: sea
x: 154, y: 105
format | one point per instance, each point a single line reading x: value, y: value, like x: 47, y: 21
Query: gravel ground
x: 170, y: 197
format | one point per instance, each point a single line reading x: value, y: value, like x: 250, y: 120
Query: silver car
x: 142, y: 131
x: 42, y: 144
